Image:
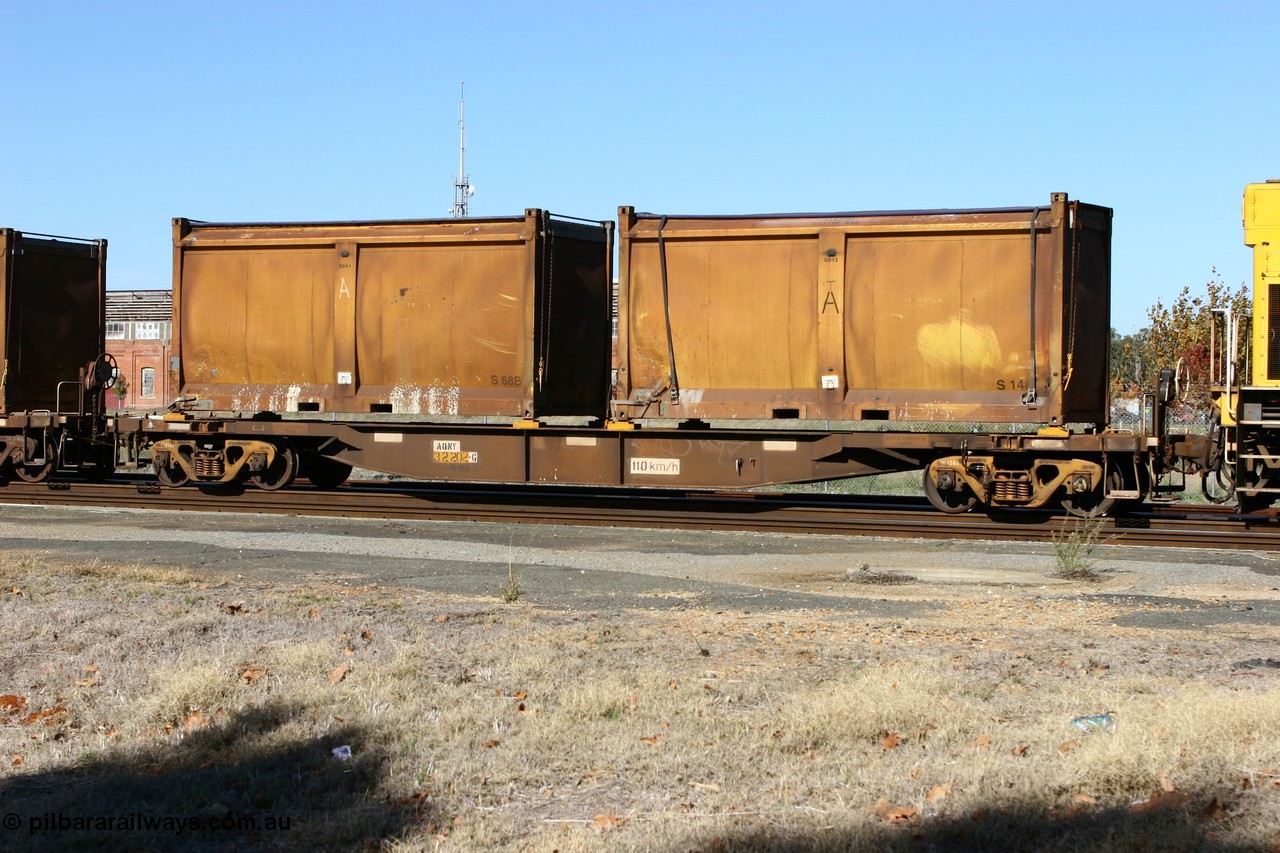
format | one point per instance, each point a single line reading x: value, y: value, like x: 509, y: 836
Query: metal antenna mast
x: 462, y: 189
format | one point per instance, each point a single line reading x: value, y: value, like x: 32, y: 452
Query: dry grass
x: 474, y: 724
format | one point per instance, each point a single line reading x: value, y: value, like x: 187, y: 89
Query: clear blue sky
x: 119, y: 116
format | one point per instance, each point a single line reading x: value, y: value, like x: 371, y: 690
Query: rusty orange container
x: 505, y: 317
x: 52, y: 299
x: 996, y: 315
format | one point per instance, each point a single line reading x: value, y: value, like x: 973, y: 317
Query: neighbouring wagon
x: 52, y: 298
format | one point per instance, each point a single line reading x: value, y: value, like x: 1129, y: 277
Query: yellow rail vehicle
x: 1244, y: 454
x: 1262, y: 234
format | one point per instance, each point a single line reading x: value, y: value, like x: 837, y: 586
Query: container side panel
x: 742, y: 314
x: 450, y: 317
x: 53, y: 306
x: 254, y: 319
x: 646, y: 356
x: 943, y: 313
x: 573, y: 329
x: 7, y: 237
x: 1088, y: 329
x: 419, y: 318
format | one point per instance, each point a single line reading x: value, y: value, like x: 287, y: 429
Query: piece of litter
x: 1094, y: 723
x: 342, y: 753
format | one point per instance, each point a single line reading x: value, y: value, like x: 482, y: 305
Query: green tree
x: 1183, y: 331
x: 1126, y: 365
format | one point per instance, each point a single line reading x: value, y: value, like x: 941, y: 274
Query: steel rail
x: 1184, y: 526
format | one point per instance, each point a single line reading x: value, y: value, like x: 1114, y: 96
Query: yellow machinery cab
x: 1262, y: 234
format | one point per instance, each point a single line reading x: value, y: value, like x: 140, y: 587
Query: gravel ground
x: 593, y: 568
x: 855, y: 693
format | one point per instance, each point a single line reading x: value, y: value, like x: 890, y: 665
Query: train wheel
x: 34, y: 473
x: 1092, y: 504
x: 951, y: 501
x: 280, y: 473
x: 325, y: 472
x: 173, y: 476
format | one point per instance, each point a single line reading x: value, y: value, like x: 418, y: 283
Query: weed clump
x: 511, y: 590
x: 863, y: 574
x: 1073, y: 550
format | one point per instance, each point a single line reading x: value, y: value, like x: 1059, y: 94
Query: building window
x: 146, y: 331
x: 148, y: 382
x: 115, y: 330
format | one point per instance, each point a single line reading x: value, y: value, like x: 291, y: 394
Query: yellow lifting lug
x: 619, y: 426
x: 1053, y: 432
x: 174, y: 416
x: 525, y: 423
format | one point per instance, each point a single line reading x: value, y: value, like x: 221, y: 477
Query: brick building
x: 139, y: 329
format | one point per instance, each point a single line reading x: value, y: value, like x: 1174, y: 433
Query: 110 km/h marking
x: 649, y: 465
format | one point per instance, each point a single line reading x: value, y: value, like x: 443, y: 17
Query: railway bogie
x: 269, y: 465
x: 1029, y: 482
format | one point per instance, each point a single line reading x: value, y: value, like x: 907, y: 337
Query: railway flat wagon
x: 52, y: 302
x: 967, y: 316
x: 308, y: 349
x: 498, y: 317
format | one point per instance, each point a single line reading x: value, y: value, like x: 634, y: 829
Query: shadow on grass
x: 239, y: 783
x: 1016, y: 828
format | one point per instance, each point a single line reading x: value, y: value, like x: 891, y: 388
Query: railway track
x: 1174, y: 525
